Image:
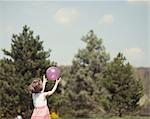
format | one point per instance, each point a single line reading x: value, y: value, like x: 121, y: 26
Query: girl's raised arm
x: 54, y: 88
x: 44, y: 83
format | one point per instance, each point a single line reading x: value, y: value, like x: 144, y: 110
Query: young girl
x: 37, y: 87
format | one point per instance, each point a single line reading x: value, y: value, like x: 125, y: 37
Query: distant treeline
x: 144, y: 74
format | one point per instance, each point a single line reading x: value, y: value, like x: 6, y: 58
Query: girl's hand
x: 44, y: 78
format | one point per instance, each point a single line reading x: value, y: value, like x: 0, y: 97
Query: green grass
x: 127, y: 117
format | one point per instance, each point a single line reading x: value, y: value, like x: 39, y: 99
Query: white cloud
x: 134, y: 55
x: 137, y: 0
x: 133, y: 51
x: 107, y: 19
x: 6, y: 31
x: 66, y: 15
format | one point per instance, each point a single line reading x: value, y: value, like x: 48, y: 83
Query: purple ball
x: 53, y: 73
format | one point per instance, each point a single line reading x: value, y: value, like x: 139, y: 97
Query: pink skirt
x: 41, y: 113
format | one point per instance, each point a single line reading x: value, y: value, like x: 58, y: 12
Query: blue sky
x: 123, y: 26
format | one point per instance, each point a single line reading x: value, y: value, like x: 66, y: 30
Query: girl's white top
x: 39, y: 99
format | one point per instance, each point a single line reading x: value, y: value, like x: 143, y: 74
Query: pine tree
x: 85, y: 88
x: 9, y: 91
x: 28, y: 60
x: 124, y: 89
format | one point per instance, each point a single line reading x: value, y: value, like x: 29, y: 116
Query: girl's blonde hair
x: 36, y: 86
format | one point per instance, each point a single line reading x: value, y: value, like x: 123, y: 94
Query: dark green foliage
x: 124, y: 89
x: 27, y: 53
x: 89, y: 87
x: 9, y: 89
x: 84, y: 88
x: 27, y: 60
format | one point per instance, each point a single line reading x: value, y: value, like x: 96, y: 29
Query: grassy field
x: 131, y: 117
x: 127, y: 117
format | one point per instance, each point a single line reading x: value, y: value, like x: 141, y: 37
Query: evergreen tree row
x: 92, y: 85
